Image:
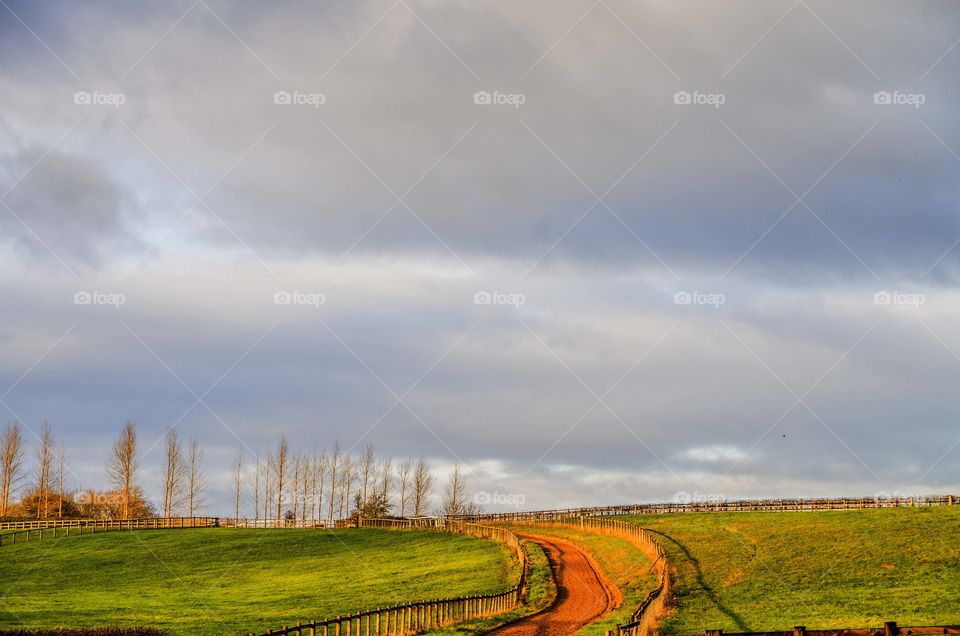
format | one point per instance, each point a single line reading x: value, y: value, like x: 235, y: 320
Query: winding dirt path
x: 583, y: 593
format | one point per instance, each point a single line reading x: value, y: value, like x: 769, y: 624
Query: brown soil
x: 583, y: 593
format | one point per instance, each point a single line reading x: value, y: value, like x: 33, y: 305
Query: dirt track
x: 583, y: 593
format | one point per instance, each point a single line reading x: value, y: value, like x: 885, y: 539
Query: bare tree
x: 123, y: 465
x: 405, y: 477
x: 422, y: 485
x: 45, y: 457
x: 237, y: 483
x: 12, y: 449
x: 334, y: 468
x: 386, y: 481
x: 455, y: 495
x: 281, y: 466
x: 196, y: 478
x: 256, y: 489
x: 319, y: 476
x: 348, y: 475
x: 368, y: 466
x: 172, y: 474
x: 268, y: 486
x: 61, y: 468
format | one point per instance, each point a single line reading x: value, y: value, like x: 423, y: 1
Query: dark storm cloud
x: 798, y: 106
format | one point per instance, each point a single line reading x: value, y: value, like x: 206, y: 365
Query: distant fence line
x: 419, y: 616
x: 93, y: 526
x: 646, y: 617
x: 889, y: 628
x: 757, y: 505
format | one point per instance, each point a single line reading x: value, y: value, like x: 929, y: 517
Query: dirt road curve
x: 583, y: 593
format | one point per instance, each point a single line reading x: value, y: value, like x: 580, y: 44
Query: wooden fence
x: 252, y: 523
x: 758, y: 505
x: 94, y: 526
x: 420, y: 616
x: 146, y: 523
x: 889, y: 629
x: 647, y: 616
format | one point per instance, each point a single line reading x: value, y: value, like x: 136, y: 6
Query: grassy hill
x: 221, y: 581
x: 766, y: 570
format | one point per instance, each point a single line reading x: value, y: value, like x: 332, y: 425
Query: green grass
x: 773, y: 570
x: 541, y: 591
x: 221, y: 581
x: 622, y: 563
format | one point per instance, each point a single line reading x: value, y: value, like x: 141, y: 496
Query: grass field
x: 758, y: 571
x: 231, y: 581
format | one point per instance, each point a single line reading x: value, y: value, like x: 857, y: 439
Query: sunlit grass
x: 773, y: 570
x: 220, y: 581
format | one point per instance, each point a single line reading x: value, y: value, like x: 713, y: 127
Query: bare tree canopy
x: 123, y: 465
x: 12, y: 449
x: 172, y: 474
x: 196, y: 479
x: 44, y: 470
x: 422, y: 486
x: 454, y: 496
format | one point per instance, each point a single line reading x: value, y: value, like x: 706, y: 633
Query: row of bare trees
x: 314, y: 486
x: 319, y: 486
x: 46, y: 496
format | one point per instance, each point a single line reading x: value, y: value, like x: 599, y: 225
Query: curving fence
x: 421, y: 616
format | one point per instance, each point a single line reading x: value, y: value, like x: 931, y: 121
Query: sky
x: 595, y: 252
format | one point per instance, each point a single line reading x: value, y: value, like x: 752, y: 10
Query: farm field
x: 232, y: 581
x: 760, y: 571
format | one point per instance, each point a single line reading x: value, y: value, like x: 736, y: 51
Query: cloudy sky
x: 596, y: 251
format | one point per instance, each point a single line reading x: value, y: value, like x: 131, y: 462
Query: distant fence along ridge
x: 747, y: 505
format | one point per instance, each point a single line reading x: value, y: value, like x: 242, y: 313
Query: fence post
x: 890, y: 628
x: 800, y: 630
